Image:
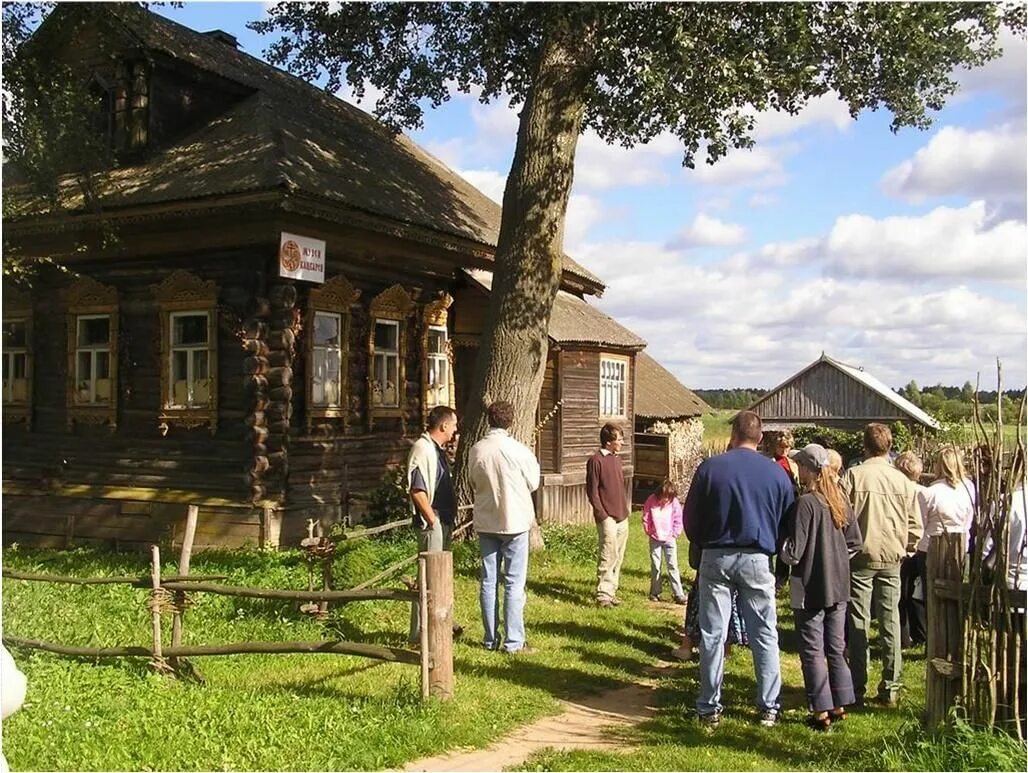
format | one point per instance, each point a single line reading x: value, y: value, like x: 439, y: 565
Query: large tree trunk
x: 512, y: 356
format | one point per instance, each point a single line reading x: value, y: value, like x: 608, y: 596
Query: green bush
x: 389, y: 501
x: 850, y: 445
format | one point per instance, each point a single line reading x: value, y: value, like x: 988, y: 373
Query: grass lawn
x: 333, y: 712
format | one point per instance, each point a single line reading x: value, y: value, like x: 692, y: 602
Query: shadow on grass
x: 577, y: 593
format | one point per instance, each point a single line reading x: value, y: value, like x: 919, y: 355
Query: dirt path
x: 585, y: 724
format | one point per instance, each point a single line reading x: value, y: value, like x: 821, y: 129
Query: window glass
x: 436, y: 340
x: 14, y: 333
x: 387, y: 336
x: 326, y: 329
x: 94, y: 331
x: 190, y: 330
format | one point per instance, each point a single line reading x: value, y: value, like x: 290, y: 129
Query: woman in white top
x: 948, y: 504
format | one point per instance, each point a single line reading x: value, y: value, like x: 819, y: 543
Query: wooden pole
x: 192, y: 514
x: 155, y: 612
x: 439, y: 588
x: 423, y: 603
x: 334, y: 647
x: 141, y: 581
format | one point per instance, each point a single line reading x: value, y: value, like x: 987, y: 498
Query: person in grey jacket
x: 819, y: 539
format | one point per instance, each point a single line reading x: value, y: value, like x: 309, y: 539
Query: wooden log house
x: 183, y: 362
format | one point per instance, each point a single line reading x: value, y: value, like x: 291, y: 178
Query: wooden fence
x: 433, y: 594
x: 947, y: 599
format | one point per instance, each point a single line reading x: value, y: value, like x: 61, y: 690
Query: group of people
x: 842, y: 539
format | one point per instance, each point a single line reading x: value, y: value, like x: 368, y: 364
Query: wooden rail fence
x: 434, y: 595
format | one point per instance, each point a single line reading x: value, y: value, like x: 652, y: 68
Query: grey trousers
x: 885, y: 583
x: 429, y: 541
x: 826, y: 675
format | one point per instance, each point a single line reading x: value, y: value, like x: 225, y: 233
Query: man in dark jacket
x: 605, y: 487
x: 733, y: 512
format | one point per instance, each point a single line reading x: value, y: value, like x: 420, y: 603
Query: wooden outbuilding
x: 830, y: 393
x: 668, y: 429
x: 286, y: 296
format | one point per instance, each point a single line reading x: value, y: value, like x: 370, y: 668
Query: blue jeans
x: 669, y: 551
x: 748, y: 572
x: 504, y: 555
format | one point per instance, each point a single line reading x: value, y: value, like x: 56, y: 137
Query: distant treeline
x: 947, y: 403
x: 730, y: 398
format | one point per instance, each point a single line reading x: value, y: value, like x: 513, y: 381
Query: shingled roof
x: 576, y: 321
x: 287, y: 134
x: 659, y: 395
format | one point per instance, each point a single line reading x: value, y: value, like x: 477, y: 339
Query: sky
x: 903, y: 253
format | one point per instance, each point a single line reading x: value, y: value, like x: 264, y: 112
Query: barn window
x: 189, y: 351
x: 93, y: 373
x: 385, y: 378
x: 613, y: 386
x: 327, y: 360
x: 190, y: 347
x: 387, y: 351
x: 328, y: 349
x: 92, y: 343
x: 16, y: 386
x: 437, y: 367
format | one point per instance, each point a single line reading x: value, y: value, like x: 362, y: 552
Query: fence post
x: 439, y: 591
x: 423, y: 617
x: 944, y: 665
x: 155, y: 608
x: 192, y: 515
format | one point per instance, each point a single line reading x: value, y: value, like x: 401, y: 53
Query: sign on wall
x: 300, y: 257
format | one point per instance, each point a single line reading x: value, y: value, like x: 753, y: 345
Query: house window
x: 93, y: 375
x: 385, y: 379
x: 190, y: 384
x: 327, y: 360
x: 613, y: 386
x: 437, y: 367
x: 16, y: 361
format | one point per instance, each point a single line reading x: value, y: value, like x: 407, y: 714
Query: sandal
x: 837, y: 715
x: 815, y: 722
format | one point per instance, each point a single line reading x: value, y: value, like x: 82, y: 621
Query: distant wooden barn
x: 668, y: 430
x: 830, y: 393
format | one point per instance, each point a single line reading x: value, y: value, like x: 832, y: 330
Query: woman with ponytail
x: 820, y: 537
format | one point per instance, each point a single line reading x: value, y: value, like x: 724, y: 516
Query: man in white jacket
x: 504, y: 472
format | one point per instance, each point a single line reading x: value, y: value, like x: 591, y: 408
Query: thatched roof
x: 659, y: 395
x: 576, y: 321
x: 288, y: 135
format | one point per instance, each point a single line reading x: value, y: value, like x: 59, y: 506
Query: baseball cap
x: 812, y: 455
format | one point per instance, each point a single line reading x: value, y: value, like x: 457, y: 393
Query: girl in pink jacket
x: 662, y: 522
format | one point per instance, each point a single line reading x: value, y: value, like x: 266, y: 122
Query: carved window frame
x: 396, y: 305
x: 184, y: 292
x: 336, y: 296
x: 18, y: 308
x: 436, y: 316
x: 87, y: 298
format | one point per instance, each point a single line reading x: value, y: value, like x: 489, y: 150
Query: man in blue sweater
x: 735, y: 508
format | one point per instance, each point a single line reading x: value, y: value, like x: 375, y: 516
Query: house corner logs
x: 269, y: 340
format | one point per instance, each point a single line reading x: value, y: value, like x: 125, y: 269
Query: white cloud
x: 826, y: 110
x: 757, y: 167
x: 1006, y: 76
x: 599, y: 166
x: 583, y: 212
x: 707, y: 231
x: 367, y: 103
x: 489, y: 181
x: 992, y: 163
x: 945, y: 242
x: 759, y: 200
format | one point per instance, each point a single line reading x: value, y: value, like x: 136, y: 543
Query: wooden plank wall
x: 823, y: 392
x: 562, y: 500
x: 548, y: 439
x: 580, y: 415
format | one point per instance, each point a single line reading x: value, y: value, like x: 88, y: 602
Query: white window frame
x: 612, y: 404
x: 173, y: 348
x: 9, y: 355
x: 385, y: 354
x: 442, y: 360
x: 93, y: 351
x: 336, y: 350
